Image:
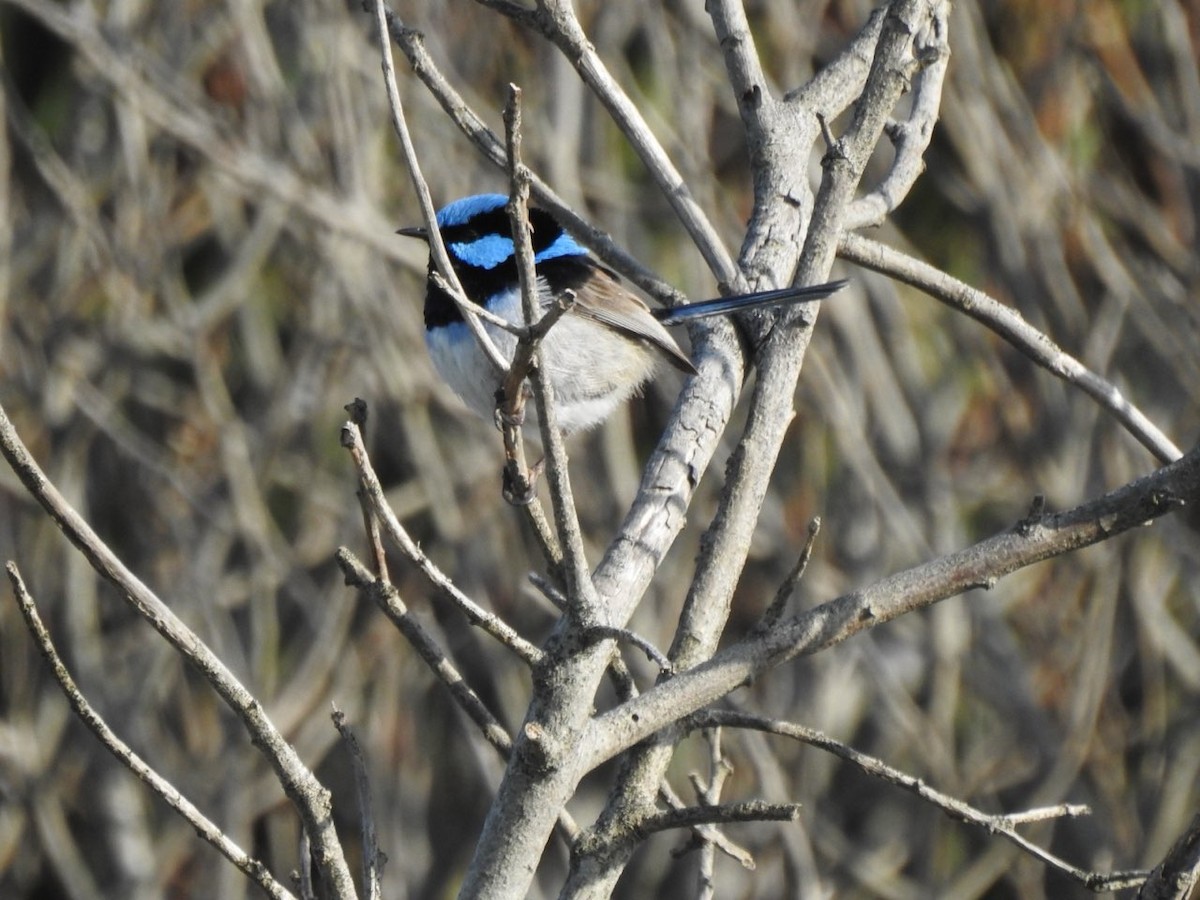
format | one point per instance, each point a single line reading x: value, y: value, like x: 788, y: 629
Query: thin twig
x: 476, y: 615
x: 1002, y: 825
x: 719, y: 769
x: 1042, y: 813
x: 207, y: 830
x: 387, y: 598
x: 706, y: 834
x: 577, y: 576
x: 624, y: 635
x: 1009, y: 325
x: 437, y: 248
x: 307, y: 794
x: 526, y: 361
x: 358, y: 414
x: 594, y: 844
x: 720, y: 814
x: 373, y: 860
x: 788, y: 586
x: 618, y: 672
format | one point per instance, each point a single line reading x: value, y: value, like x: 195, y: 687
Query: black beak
x: 414, y: 231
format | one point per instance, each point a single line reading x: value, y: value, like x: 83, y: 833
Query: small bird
x: 602, y: 351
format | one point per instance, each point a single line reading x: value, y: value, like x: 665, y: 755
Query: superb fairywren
x: 598, y: 355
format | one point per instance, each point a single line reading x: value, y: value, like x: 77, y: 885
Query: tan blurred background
x: 197, y: 270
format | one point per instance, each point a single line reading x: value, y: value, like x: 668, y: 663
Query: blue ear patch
x: 486, y: 252
x: 462, y: 211
x: 564, y: 245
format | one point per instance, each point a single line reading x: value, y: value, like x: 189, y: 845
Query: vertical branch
x: 581, y: 594
x: 373, y: 860
x: 719, y: 770
x: 358, y: 415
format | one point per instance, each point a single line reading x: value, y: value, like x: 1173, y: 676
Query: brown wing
x: 603, y: 299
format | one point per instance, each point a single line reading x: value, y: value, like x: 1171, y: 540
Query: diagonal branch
x: 308, y: 795
x: 372, y: 858
x: 437, y: 249
x: 980, y: 565
x: 1012, y: 327
x: 1176, y: 877
x: 556, y: 20
x: 204, y: 827
x: 476, y: 615
x: 1002, y: 825
x: 577, y: 576
x: 387, y: 598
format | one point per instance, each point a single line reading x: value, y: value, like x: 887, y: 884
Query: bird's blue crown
x: 478, y: 237
x: 463, y: 210
x: 478, y: 233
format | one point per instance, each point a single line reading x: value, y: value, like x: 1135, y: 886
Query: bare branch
x: 980, y: 565
x: 387, y: 598
x: 519, y: 483
x: 253, y: 868
x: 910, y: 137
x: 437, y: 248
x: 476, y: 615
x: 891, y: 73
x: 1176, y: 877
x: 373, y: 859
x: 656, y: 656
x: 1043, y: 813
x: 1002, y: 825
x: 308, y: 795
x: 719, y: 769
x: 358, y: 414
x: 706, y: 835
x: 837, y: 85
x: 788, y: 586
x: 720, y: 814
x: 581, y: 593
x: 1009, y: 324
x: 759, y: 108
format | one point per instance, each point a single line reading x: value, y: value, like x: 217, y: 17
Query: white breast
x: 592, y: 368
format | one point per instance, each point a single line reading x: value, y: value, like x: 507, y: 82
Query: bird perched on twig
x: 604, y: 348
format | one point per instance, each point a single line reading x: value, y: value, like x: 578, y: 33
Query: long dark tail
x: 726, y: 305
